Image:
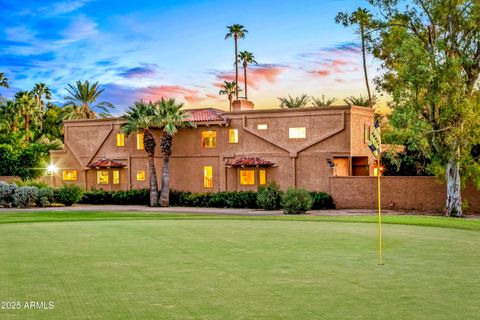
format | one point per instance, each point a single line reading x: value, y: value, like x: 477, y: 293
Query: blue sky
x: 148, y: 49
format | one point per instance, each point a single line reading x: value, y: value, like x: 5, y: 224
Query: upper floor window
x: 297, y: 133
x: 208, y: 177
x: 233, y: 135
x: 69, y: 175
x: 140, y: 145
x: 209, y: 139
x: 102, y: 177
x: 120, y: 139
x: 262, y: 127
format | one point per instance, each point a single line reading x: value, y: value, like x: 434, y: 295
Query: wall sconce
x: 330, y: 164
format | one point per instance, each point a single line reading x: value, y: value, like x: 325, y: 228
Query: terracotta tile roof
x: 205, y: 115
x: 106, y: 163
x: 251, y: 162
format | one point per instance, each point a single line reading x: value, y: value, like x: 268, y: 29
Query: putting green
x: 237, y: 269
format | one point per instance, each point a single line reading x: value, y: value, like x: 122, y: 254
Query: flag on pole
x: 375, y: 141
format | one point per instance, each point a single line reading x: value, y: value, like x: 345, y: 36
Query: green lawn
x: 150, y: 266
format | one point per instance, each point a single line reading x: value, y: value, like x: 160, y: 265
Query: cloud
x: 256, y: 74
x: 334, y: 67
x: 67, y: 6
x: 145, y: 71
x: 80, y: 28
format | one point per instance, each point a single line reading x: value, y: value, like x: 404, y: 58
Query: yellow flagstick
x: 380, y: 261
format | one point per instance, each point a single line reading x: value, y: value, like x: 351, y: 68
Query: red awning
x: 106, y: 163
x: 251, y: 162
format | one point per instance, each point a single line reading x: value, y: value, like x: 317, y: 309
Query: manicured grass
x: 102, y: 265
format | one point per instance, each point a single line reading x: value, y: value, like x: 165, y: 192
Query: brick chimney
x: 239, y: 105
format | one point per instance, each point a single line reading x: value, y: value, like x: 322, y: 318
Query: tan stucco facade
x: 331, y: 135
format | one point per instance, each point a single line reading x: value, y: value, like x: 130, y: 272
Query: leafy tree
x: 246, y: 58
x: 3, y: 81
x: 361, y: 101
x: 141, y: 117
x: 322, y: 102
x: 53, y: 122
x: 169, y: 118
x: 228, y: 89
x: 9, y: 117
x: 81, y: 98
x: 294, y: 102
x: 430, y: 54
x: 236, y: 32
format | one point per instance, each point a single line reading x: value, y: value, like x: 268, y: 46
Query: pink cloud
x: 256, y: 75
x: 334, y: 67
x: 169, y: 91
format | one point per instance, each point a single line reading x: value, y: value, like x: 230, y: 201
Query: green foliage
x: 25, y: 197
x: 296, y: 201
x: 322, y: 102
x: 6, y: 194
x: 294, y: 102
x: 131, y: 197
x: 68, y: 194
x: 268, y: 197
x: 322, y: 201
x: 45, y: 197
x: 405, y: 163
x: 81, y: 101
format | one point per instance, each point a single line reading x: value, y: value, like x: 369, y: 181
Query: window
x: 208, y: 177
x: 262, y: 176
x: 342, y: 166
x: 120, y: 140
x: 70, y: 175
x: 102, y: 177
x: 360, y: 166
x: 366, y: 133
x: 247, y: 177
x: 233, y: 136
x: 262, y: 127
x: 297, y: 133
x: 140, y: 145
x: 116, y: 177
x: 141, y: 175
x: 209, y: 139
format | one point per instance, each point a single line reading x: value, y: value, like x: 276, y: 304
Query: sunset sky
x: 149, y: 49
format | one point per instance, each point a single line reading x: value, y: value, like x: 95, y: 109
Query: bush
x: 268, y: 197
x: 45, y: 197
x: 322, y: 201
x: 6, y: 194
x: 227, y: 199
x: 296, y: 201
x: 131, y: 197
x: 31, y: 183
x: 68, y: 194
x: 25, y: 197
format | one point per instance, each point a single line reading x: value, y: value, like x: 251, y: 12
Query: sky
x: 151, y: 49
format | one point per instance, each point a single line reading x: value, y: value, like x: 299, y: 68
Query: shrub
x: 45, y: 197
x: 227, y: 199
x: 180, y: 198
x: 31, y: 183
x: 25, y: 197
x: 6, y: 194
x: 68, y: 194
x: 296, y: 201
x: 132, y: 197
x: 322, y: 201
x: 268, y: 197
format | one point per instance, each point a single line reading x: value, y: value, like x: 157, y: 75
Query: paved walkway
x: 215, y: 211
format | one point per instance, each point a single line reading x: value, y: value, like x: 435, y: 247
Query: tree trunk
x: 149, y: 144
x: 230, y: 100
x: 362, y: 31
x: 245, y: 79
x: 27, y: 120
x: 236, y: 67
x: 454, y: 196
x: 165, y: 193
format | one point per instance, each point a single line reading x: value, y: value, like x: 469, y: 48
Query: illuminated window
x: 120, y: 140
x: 262, y: 127
x: 102, y: 177
x: 297, y: 133
x: 116, y: 177
x: 69, y: 175
x: 209, y: 139
x: 208, y: 177
x: 247, y: 177
x: 233, y: 135
x: 140, y: 145
x: 262, y: 176
x: 141, y: 175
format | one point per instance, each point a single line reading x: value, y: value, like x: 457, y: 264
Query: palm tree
x: 362, y: 17
x: 236, y: 32
x: 361, y: 101
x: 322, y: 102
x: 25, y: 106
x: 246, y: 58
x: 39, y: 91
x: 81, y: 98
x: 169, y: 118
x: 228, y: 88
x: 9, y: 117
x: 294, y: 102
x: 3, y: 81
x: 141, y: 118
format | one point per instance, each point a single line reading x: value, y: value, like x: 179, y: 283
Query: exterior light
x: 51, y: 169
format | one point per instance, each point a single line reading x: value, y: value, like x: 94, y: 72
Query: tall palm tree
x: 362, y: 17
x: 141, y: 118
x: 38, y: 92
x: 246, y: 58
x: 228, y: 89
x: 169, y: 117
x: 81, y: 98
x: 9, y: 116
x: 236, y: 32
x: 294, y: 102
x: 3, y: 80
x: 26, y: 107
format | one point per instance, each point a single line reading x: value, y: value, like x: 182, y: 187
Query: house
x: 227, y: 151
